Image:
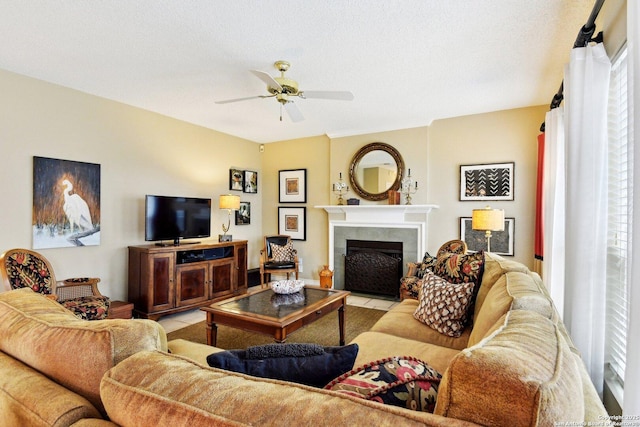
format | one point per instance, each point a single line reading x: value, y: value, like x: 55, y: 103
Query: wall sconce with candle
x: 230, y: 203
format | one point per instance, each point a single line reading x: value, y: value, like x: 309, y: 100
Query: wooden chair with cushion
x: 22, y: 268
x: 277, y: 256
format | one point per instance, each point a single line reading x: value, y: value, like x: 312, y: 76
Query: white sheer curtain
x: 553, y: 205
x: 631, y: 405
x: 586, y: 98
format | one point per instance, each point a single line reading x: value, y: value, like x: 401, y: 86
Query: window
x: 618, y: 227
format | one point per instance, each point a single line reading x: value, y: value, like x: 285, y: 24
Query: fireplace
x: 373, y: 267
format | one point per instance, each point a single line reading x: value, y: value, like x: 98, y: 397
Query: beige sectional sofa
x: 514, y: 366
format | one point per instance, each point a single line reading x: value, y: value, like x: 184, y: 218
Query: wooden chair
x: 277, y: 256
x: 22, y: 268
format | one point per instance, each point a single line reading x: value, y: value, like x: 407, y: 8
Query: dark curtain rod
x: 585, y: 35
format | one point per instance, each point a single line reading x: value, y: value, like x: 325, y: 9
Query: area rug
x: 323, y: 331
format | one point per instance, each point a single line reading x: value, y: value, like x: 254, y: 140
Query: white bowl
x: 287, y: 286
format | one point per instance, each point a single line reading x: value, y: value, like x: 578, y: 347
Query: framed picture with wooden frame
x: 293, y: 222
x: 292, y: 186
x: 494, y: 181
x: 502, y: 242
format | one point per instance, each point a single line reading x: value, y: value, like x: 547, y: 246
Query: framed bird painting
x: 66, y: 203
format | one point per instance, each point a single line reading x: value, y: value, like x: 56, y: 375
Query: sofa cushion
x: 521, y: 374
x: 401, y: 381
x: 160, y: 389
x: 309, y: 364
x: 399, y: 322
x: 378, y: 345
x: 494, y: 267
x: 44, y: 335
x: 28, y: 398
x: 444, y: 306
x: 512, y: 291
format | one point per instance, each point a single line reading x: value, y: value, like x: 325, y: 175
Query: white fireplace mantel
x: 377, y: 214
x: 413, y: 217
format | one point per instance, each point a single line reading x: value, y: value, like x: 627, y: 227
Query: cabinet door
x: 161, y: 287
x: 222, y: 277
x: 191, y: 284
x: 241, y: 268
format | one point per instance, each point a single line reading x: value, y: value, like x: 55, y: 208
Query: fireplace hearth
x: 373, y: 267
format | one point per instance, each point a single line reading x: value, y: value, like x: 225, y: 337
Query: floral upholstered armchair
x: 409, y: 285
x: 22, y: 268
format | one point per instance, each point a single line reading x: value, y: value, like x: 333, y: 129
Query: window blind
x: 618, y: 225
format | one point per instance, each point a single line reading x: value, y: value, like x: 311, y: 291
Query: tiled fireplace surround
x: 395, y: 223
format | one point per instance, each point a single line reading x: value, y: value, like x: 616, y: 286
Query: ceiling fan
x: 283, y: 89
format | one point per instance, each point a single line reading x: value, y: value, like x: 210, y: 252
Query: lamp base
x: 224, y: 237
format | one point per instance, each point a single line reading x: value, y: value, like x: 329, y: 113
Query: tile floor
x: 177, y: 321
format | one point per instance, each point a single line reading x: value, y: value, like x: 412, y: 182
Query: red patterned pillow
x: 400, y: 381
x: 444, y: 306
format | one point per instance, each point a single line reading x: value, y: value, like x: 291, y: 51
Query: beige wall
x: 139, y: 153
x: 311, y: 154
x: 503, y: 136
x: 145, y: 153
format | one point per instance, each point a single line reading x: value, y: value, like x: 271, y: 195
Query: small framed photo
x: 293, y: 222
x: 487, y: 182
x: 250, y: 182
x: 243, y: 215
x: 293, y: 186
x: 236, y: 179
x: 476, y: 240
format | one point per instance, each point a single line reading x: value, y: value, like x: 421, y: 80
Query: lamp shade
x: 229, y: 201
x: 487, y: 219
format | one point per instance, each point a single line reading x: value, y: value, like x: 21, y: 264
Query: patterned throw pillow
x: 400, y: 381
x: 444, y: 306
x: 428, y: 262
x: 460, y: 268
x: 281, y: 253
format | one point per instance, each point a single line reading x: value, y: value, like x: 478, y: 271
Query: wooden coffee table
x: 268, y: 313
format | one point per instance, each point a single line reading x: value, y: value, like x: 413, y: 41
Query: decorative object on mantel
x: 230, y: 203
x: 372, y: 165
x: 326, y: 277
x: 487, y: 220
x: 394, y: 197
x: 353, y: 201
x: 340, y: 188
x: 408, y: 187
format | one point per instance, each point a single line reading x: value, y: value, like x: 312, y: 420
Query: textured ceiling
x: 406, y: 62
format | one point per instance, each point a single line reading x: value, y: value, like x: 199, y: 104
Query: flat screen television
x: 175, y: 218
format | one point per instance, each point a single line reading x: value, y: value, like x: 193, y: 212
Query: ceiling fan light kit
x: 283, y: 88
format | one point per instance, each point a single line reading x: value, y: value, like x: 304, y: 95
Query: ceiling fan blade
x: 328, y: 94
x: 293, y: 111
x: 265, y: 77
x: 228, y: 101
